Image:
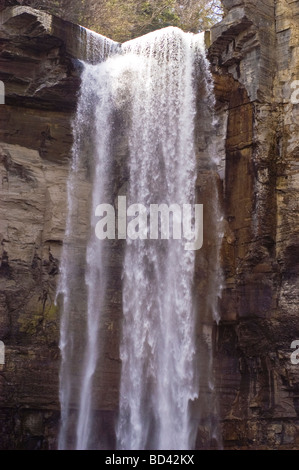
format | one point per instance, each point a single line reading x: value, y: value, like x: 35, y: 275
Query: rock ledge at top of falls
x: 27, y: 22
x: 243, y: 45
x: 36, y: 59
x: 40, y: 58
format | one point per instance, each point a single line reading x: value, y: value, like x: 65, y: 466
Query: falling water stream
x: 151, y: 84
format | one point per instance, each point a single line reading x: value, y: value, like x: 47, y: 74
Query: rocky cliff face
x: 254, y: 54
x: 35, y: 133
x: 255, y: 58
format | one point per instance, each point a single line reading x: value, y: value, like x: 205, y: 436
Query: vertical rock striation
x: 35, y: 140
x: 255, y: 58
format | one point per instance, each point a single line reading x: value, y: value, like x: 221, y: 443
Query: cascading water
x: 152, y: 85
x: 157, y: 350
x: 76, y: 389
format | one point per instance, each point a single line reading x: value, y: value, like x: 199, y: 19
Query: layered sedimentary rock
x: 35, y: 134
x: 255, y: 57
x: 254, y: 54
x: 40, y: 69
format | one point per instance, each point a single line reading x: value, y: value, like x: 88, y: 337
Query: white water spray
x: 152, y: 83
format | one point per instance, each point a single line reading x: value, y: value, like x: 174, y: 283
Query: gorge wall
x: 254, y: 54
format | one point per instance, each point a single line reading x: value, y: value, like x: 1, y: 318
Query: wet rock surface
x: 254, y: 54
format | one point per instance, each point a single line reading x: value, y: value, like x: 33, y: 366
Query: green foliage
x: 152, y: 15
x: 122, y: 20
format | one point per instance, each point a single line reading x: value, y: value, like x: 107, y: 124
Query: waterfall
x: 157, y: 349
x: 78, y: 291
x: 150, y: 88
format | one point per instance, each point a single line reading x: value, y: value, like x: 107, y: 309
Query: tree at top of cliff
x: 122, y: 20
